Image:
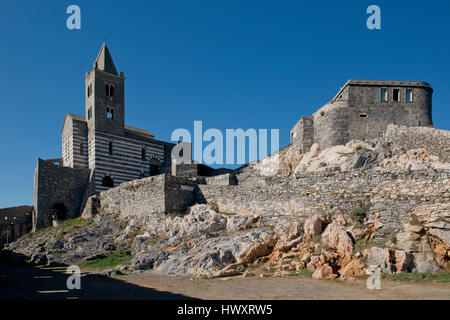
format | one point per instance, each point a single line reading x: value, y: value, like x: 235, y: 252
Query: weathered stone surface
x: 324, y: 272
x: 337, y: 238
x: 313, y: 226
x: 145, y: 261
x: 427, y: 267
x: 404, y: 261
x: 352, y: 269
x: 379, y: 258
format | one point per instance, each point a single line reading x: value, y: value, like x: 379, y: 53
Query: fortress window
x: 81, y: 147
x: 383, y: 95
x: 396, y: 95
x: 89, y: 113
x: 363, y: 115
x: 110, y: 148
x: 143, y: 156
x: 409, y: 96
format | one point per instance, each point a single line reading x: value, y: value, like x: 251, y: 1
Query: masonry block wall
x: 436, y: 142
x: 390, y: 196
x: 155, y: 195
x: 303, y: 133
x: 58, y: 190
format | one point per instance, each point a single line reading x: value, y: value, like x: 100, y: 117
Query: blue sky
x: 231, y: 64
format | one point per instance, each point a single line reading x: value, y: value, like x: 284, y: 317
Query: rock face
x: 71, y: 244
x: 427, y: 236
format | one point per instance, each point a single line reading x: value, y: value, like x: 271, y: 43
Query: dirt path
x: 287, y: 288
x: 21, y: 282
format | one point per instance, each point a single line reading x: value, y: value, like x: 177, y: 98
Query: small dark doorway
x: 154, y: 169
x: 108, y: 182
x: 59, y: 211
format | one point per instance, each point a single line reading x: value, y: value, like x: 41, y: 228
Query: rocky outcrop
x: 427, y: 236
x: 75, y: 241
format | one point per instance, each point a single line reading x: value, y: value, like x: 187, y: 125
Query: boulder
x: 313, y: 226
x: 427, y: 267
x: 352, y: 269
x: 337, y: 238
x: 145, y: 261
x: 324, y: 272
x: 379, y: 258
x: 404, y: 261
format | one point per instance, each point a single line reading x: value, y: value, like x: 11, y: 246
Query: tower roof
x: 104, y: 60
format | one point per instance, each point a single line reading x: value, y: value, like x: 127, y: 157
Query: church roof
x: 76, y: 117
x: 131, y: 130
x: 139, y: 131
x: 104, y: 60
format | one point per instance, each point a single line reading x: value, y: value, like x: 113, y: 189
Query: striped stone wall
x: 67, y: 143
x: 80, y: 145
x: 125, y: 163
x: 75, y: 144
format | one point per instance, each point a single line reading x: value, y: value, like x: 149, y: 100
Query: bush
x: 359, y: 213
x: 111, y: 261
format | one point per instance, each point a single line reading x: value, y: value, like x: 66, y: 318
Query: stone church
x: 98, y: 150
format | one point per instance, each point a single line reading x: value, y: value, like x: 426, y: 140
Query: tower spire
x: 104, y: 60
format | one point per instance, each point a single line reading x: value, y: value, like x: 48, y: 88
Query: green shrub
x: 305, y: 272
x: 111, y: 261
x: 359, y: 212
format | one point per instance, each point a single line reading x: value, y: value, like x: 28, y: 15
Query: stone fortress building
x: 363, y: 109
x: 98, y: 150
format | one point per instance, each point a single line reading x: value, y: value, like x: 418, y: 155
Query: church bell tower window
x: 109, y: 113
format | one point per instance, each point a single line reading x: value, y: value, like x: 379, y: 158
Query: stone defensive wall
x: 437, y: 142
x: 387, y: 196
x: 153, y: 195
x: 57, y: 190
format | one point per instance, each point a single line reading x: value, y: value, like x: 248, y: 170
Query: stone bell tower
x: 105, y: 96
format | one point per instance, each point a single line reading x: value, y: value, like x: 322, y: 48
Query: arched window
x: 107, y: 181
x: 109, y: 88
x: 81, y: 147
